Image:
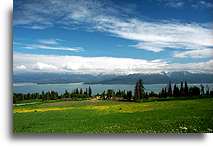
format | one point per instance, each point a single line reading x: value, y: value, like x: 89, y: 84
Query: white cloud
x: 49, y: 41
x: 150, y: 46
x: 158, y: 36
x: 204, y: 67
x: 43, y: 67
x: 37, y: 27
x: 200, y: 53
x: 43, y: 46
x: 50, y: 44
x: 20, y: 67
x: 149, y: 35
x: 102, y: 65
x: 90, y: 65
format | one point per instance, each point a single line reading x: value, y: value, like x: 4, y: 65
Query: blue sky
x: 119, y: 37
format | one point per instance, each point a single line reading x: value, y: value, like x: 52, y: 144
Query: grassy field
x: 96, y: 117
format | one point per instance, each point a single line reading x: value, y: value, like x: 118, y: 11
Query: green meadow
x: 114, y: 117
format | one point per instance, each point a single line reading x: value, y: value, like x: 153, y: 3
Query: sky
x: 112, y: 37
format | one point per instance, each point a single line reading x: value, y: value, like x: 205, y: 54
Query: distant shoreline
x: 85, y: 83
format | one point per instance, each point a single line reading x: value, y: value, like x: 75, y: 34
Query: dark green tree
x: 170, y: 89
x: 129, y: 95
x: 76, y: 91
x: 181, y: 89
x: 118, y: 93
x: 186, y: 89
x: 202, y: 90
x: 139, y: 91
x: 176, y: 92
x: 90, y: 91
x: 194, y: 91
x: 66, y: 94
x: 109, y: 94
x: 81, y: 91
x: 211, y: 93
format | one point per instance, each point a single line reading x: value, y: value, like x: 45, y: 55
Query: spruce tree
x: 139, y: 91
x: 181, y: 89
x: 129, y: 95
x: 186, y: 89
x: 90, y: 91
x: 176, y: 92
x: 170, y: 89
x: 202, y: 89
x: 81, y: 91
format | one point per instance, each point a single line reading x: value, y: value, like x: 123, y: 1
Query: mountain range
x: 152, y: 78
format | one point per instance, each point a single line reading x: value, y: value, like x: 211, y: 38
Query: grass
x: 103, y: 117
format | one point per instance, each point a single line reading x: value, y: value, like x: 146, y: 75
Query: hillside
x: 155, y: 78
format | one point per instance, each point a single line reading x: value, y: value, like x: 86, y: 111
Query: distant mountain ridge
x: 161, y: 78
x: 152, y: 78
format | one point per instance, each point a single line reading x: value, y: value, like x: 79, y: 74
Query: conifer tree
x: 170, y: 89
x: 186, y: 89
x: 129, y: 95
x: 90, y: 91
x: 81, y: 91
x: 181, y: 89
x: 139, y: 91
x: 201, y: 89
x: 175, y: 91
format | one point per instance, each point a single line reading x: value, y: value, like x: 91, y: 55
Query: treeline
x: 139, y: 93
x: 185, y: 91
x: 110, y: 94
x: 76, y: 94
x: 169, y: 91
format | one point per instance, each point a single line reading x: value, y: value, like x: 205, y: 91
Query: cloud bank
x: 200, y: 53
x: 100, y: 65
